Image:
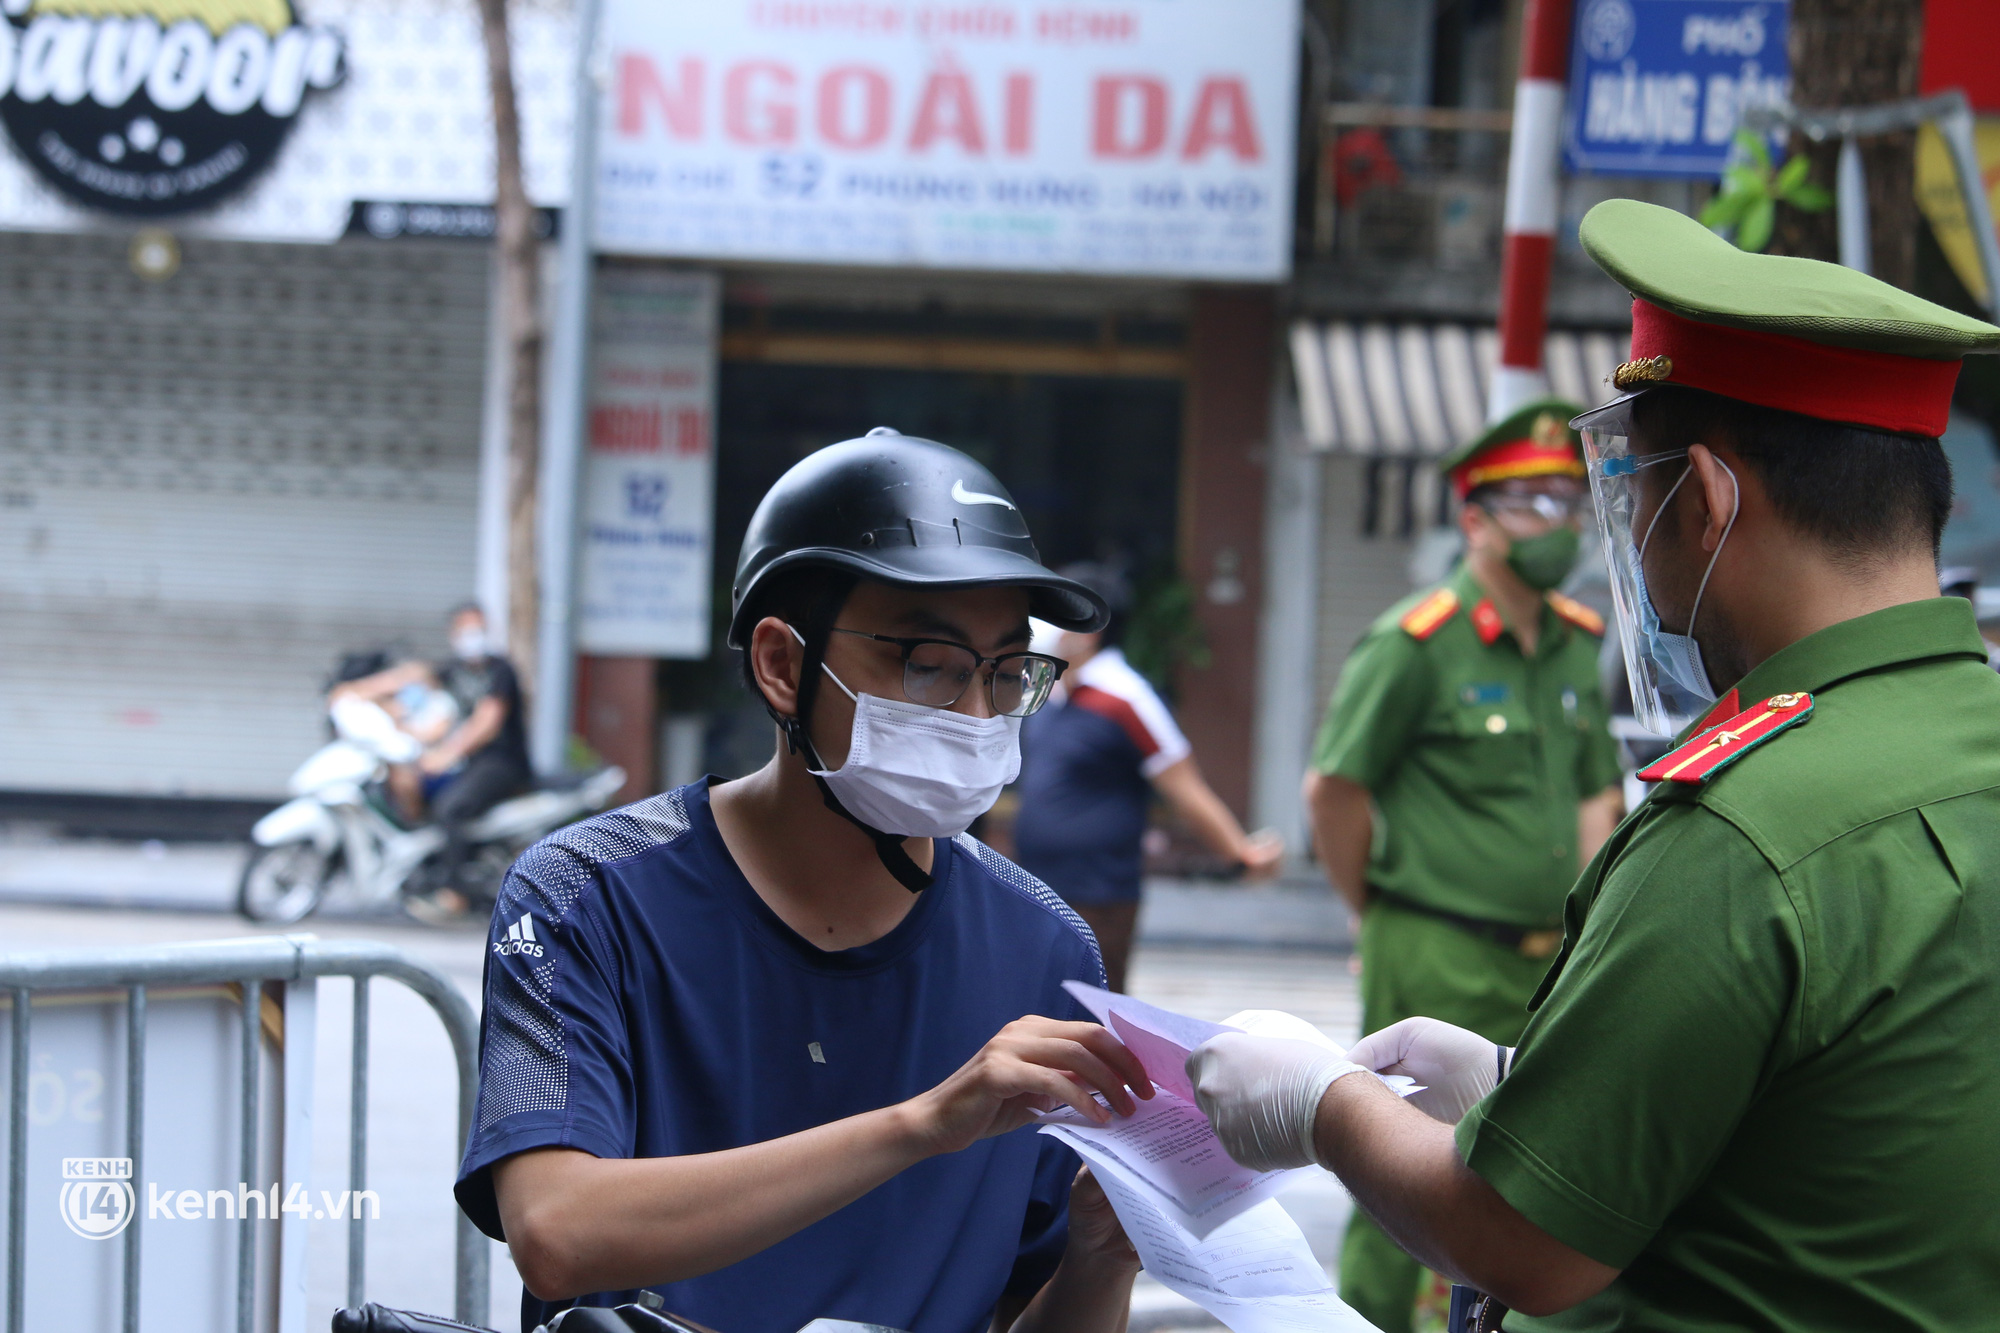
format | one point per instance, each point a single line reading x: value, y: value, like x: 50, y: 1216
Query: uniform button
x: 1496, y: 724
x: 1558, y: 852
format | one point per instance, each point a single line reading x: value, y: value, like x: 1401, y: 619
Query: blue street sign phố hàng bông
x: 1658, y: 87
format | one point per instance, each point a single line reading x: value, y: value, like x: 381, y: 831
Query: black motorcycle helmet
x: 900, y: 510
x: 905, y: 511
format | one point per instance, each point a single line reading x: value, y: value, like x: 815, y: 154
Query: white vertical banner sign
x: 647, y: 539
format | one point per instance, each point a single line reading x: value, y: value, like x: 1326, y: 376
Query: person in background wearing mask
x: 1091, y: 763
x: 1464, y: 772
x: 1761, y: 1086
x: 772, y: 1047
x: 478, y: 761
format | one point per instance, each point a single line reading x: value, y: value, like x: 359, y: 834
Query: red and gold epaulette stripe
x: 1728, y: 706
x: 1486, y: 621
x: 1422, y: 620
x: 1577, y: 614
x: 1718, y: 747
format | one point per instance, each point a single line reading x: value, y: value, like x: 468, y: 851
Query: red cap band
x: 1515, y: 458
x: 1910, y: 395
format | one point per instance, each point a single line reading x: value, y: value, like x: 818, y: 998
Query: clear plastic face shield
x: 1670, y: 683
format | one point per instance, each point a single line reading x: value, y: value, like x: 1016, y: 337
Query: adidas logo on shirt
x: 520, y: 939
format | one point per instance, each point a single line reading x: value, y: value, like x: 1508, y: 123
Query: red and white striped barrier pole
x: 1533, y: 196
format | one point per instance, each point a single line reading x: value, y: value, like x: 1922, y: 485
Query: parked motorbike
x: 340, y: 822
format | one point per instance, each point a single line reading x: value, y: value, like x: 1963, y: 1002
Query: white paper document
x: 1204, y: 1226
x: 1254, y: 1272
x: 1172, y: 1155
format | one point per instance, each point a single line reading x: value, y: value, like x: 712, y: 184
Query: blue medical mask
x: 1678, y: 656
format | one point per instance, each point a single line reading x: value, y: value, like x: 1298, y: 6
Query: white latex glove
x: 1457, y: 1068
x: 1278, y: 1023
x: 1262, y: 1095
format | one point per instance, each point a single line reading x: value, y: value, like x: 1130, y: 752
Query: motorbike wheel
x: 285, y: 883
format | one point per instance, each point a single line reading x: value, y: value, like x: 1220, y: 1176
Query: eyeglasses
x: 1550, y: 508
x: 937, y: 672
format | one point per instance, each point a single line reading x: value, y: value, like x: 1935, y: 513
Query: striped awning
x: 1390, y: 390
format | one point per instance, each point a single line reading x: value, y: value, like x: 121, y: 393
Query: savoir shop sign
x: 163, y: 106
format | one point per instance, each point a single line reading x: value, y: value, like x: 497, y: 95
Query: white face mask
x: 920, y: 772
x: 469, y: 644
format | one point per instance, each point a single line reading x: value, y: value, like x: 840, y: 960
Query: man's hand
x: 436, y: 760
x: 1456, y: 1068
x: 1262, y: 1095
x: 1095, y: 1234
x: 1263, y: 854
x: 1091, y: 1291
x: 1033, y: 1064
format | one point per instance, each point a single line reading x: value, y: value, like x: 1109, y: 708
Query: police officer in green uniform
x: 1469, y: 724
x: 1761, y: 1086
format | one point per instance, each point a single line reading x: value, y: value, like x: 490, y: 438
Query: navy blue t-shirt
x: 1083, y: 805
x: 643, y: 1001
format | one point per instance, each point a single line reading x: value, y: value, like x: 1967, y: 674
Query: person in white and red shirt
x: 1091, y: 762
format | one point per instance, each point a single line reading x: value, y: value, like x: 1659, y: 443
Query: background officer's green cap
x: 1796, y: 334
x: 1533, y: 441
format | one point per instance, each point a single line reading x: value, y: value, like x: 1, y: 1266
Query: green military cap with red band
x: 1794, y: 334
x: 1534, y: 441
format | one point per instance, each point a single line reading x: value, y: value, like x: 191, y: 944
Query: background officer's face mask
x: 921, y: 772
x: 1670, y: 683
x: 1544, y: 560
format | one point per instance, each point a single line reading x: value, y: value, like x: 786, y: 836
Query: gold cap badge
x: 1646, y: 370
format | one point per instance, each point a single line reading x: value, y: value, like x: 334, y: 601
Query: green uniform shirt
x: 1476, y: 755
x: 1763, y: 1078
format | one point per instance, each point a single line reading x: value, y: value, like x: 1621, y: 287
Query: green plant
x: 1746, y: 207
x: 1163, y: 632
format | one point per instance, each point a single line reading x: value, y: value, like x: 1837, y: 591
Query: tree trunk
x: 1856, y: 53
x: 519, y: 256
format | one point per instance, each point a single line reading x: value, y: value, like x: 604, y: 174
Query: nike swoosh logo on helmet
x: 965, y: 497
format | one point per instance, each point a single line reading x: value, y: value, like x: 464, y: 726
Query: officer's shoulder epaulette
x: 1717, y: 747
x: 1422, y: 620
x: 1577, y: 614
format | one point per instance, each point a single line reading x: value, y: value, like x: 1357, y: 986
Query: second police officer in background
x: 1469, y: 725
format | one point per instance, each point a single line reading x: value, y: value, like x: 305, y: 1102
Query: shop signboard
x: 1658, y: 87
x: 152, y: 108
x: 268, y: 120
x: 1142, y: 137
x: 649, y: 475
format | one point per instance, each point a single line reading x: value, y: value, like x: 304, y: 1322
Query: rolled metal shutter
x: 212, y: 486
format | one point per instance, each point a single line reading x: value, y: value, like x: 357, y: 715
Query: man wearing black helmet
x: 740, y: 1039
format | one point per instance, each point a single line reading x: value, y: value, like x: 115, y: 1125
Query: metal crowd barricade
x: 248, y: 963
